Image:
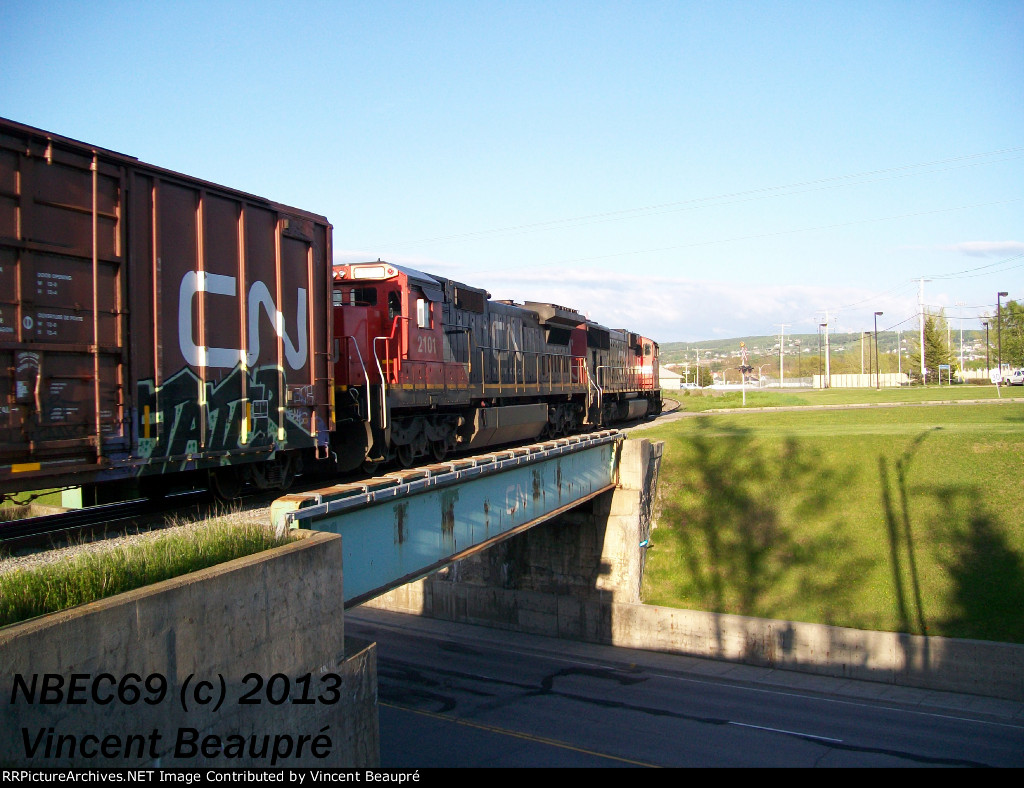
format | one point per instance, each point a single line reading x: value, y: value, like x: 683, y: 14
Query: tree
x: 936, y: 350
x: 1012, y: 326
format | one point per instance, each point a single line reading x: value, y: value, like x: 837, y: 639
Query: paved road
x: 453, y: 695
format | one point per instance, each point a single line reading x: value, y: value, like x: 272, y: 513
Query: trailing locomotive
x: 156, y: 327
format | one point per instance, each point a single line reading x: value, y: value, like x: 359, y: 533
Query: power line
x: 885, y: 295
x: 970, y: 272
x: 703, y: 202
x: 772, y: 234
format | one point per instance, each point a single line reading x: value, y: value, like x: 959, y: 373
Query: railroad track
x: 55, y: 528
x: 94, y: 523
x: 113, y: 520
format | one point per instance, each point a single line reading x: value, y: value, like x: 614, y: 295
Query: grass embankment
x: 92, y: 575
x: 901, y: 519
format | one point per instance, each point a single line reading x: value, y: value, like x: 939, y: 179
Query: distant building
x: 670, y: 380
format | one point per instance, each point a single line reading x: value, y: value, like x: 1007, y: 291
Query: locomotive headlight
x: 373, y: 272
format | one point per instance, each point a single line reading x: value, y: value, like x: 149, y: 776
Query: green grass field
x: 711, y: 399
x: 906, y: 519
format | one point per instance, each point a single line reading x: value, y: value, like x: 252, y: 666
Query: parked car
x: 1016, y: 378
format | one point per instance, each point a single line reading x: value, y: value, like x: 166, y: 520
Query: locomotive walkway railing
x: 402, y: 526
x: 552, y: 373
x: 629, y: 378
x: 506, y: 371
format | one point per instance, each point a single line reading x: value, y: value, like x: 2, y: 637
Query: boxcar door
x: 62, y: 287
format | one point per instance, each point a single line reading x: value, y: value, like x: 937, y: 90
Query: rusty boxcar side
x: 153, y: 323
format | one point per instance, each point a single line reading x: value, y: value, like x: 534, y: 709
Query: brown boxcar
x: 152, y: 323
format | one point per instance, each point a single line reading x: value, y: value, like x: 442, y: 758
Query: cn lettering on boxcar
x: 260, y: 302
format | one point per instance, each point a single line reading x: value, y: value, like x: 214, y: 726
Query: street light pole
x: 878, y: 382
x: 988, y: 364
x: 999, y: 334
x: 782, y: 360
x: 828, y: 368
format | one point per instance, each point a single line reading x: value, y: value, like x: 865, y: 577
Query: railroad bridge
x: 409, y: 524
x: 278, y: 617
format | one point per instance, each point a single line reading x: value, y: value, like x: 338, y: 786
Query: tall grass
x: 898, y: 519
x: 92, y: 575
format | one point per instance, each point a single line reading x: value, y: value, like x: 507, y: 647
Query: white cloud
x: 987, y: 248
x: 675, y: 309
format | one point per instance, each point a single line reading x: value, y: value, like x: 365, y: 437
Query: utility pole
x: 878, y: 369
x: 920, y: 309
x: 828, y: 372
x: 999, y: 338
x: 961, y: 304
x: 823, y: 377
x: 782, y: 360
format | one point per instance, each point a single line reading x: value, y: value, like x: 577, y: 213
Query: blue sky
x: 690, y: 170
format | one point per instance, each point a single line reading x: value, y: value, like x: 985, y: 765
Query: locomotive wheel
x: 351, y: 445
x: 438, y: 449
x: 406, y: 458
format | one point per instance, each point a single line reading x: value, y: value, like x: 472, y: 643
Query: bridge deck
x: 407, y: 524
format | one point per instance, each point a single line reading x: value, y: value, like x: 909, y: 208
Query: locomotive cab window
x: 394, y: 305
x: 424, y: 314
x: 355, y: 296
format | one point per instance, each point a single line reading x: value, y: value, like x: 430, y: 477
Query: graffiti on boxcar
x: 186, y: 415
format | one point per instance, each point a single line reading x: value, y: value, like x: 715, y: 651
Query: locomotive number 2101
x: 427, y: 344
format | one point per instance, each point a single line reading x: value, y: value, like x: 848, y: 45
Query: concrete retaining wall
x: 156, y: 676
x: 949, y: 664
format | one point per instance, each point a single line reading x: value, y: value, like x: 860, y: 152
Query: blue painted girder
x: 398, y: 527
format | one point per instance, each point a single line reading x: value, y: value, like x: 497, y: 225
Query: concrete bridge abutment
x: 559, y: 578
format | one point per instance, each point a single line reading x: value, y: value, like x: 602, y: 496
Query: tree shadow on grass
x: 730, y: 514
x: 988, y: 577
x: 987, y: 574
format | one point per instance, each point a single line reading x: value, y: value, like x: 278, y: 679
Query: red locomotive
x: 153, y: 324
x: 425, y: 365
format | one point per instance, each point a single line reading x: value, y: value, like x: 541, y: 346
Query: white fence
x: 864, y: 381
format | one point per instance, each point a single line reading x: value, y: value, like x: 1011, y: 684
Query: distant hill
x: 757, y: 346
